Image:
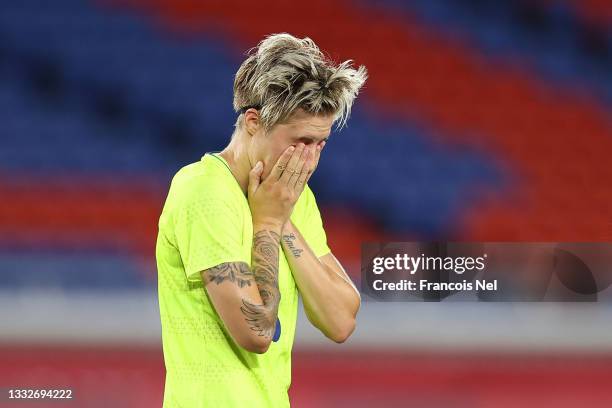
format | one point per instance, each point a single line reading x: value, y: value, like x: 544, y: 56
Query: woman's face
x: 302, y: 127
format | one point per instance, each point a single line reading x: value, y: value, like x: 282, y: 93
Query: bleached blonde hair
x: 284, y: 73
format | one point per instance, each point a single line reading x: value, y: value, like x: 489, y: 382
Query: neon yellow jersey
x: 206, y: 221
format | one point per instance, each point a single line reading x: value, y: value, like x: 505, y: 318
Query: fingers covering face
x: 302, y: 167
x: 281, y: 163
x: 294, y: 164
x: 307, y: 170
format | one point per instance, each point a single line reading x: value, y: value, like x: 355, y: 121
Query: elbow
x: 346, y: 327
x: 255, y: 344
x: 343, y: 331
x: 259, y: 348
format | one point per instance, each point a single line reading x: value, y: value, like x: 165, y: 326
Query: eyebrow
x: 313, y: 138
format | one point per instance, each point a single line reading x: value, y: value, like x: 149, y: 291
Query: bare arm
x: 331, y: 301
x: 246, y: 298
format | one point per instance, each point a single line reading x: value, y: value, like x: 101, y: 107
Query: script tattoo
x: 262, y: 318
x: 289, y: 241
x: 235, y: 272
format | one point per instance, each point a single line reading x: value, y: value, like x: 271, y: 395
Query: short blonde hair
x: 284, y: 73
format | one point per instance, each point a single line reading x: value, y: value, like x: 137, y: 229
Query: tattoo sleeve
x: 235, y: 272
x: 264, y: 259
x: 264, y: 273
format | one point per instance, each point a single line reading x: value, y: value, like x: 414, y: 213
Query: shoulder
x: 197, y: 175
x: 306, y: 203
x: 202, y: 185
x: 306, y: 197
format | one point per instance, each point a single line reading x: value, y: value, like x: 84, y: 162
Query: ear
x: 251, y: 121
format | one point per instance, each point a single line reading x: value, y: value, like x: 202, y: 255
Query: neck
x: 238, y: 162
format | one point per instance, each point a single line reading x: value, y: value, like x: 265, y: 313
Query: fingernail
x: 258, y: 165
x: 292, y: 148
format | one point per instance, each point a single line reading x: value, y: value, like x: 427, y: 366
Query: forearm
x: 330, y: 301
x: 247, y: 298
x: 264, y: 266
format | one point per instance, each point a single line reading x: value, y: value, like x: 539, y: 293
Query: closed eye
x: 308, y: 140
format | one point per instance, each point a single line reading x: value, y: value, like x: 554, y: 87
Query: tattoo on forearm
x: 289, y: 240
x: 235, y: 272
x: 265, y: 264
x: 259, y: 318
x: 262, y: 318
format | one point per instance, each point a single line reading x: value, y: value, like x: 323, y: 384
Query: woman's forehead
x: 314, y: 124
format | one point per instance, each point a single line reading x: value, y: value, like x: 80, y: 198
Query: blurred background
x: 481, y: 120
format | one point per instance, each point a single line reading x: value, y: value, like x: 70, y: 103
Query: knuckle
x: 285, y: 194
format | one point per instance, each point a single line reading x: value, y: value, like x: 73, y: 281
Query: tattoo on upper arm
x: 289, y: 240
x: 235, y: 272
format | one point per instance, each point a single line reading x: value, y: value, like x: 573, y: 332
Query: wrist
x: 271, y: 225
x: 287, y: 227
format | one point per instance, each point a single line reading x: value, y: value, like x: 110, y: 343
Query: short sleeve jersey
x: 206, y: 221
